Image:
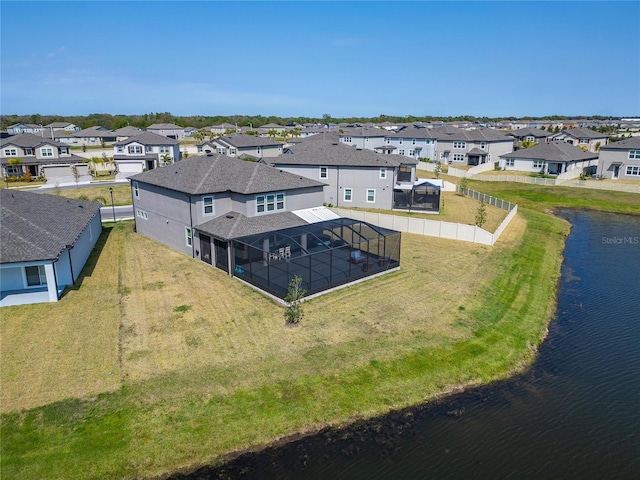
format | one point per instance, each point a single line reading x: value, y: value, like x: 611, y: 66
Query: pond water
x: 574, y: 415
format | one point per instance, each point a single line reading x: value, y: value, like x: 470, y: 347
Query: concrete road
x: 124, y: 212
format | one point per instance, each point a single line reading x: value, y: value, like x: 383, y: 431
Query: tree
x: 481, y: 215
x: 463, y: 185
x: 293, y: 310
x: 438, y: 169
x: 76, y: 174
x: 166, y: 159
x: 527, y: 144
x: 598, y: 147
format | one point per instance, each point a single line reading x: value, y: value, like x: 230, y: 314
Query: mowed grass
x: 206, y: 366
x: 121, y: 193
x: 456, y: 209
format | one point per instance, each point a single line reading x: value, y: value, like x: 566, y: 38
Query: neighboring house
x: 45, y: 241
x: 620, y: 160
x: 551, y: 158
x: 366, y: 137
x: 168, y: 130
x: 190, y: 131
x: 239, y: 216
x: 243, y: 146
x: 356, y: 177
x: 127, y: 132
x: 532, y: 135
x: 266, y: 130
x: 411, y: 142
x: 145, y: 151
x: 19, y: 128
x: 62, y: 126
x: 220, y: 129
x: 39, y: 157
x: 470, y: 147
x: 90, y: 136
x: 585, y: 138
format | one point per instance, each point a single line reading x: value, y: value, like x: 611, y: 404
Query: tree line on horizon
x: 113, y: 122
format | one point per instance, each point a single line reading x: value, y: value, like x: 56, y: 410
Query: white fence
x: 438, y: 228
x: 483, y: 197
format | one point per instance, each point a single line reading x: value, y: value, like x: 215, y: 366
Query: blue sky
x: 310, y: 58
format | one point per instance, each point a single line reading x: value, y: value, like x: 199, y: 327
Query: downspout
x: 338, y: 186
x: 193, y: 236
x: 55, y: 279
x: 69, y: 247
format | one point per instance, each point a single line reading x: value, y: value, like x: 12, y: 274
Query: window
x: 633, y: 170
x: 347, y: 139
x: 366, y: 139
x: 483, y: 145
x: 222, y: 150
x: 29, y: 151
x: 401, y: 152
x: 46, y: 152
x: 404, y: 173
x: 35, y: 276
x: 428, y: 141
x: 458, y: 157
x: 634, y: 153
x: 142, y: 214
x: 64, y: 150
x: 538, y: 163
x: 413, y: 142
x: 348, y: 194
x: 14, y: 170
x: 459, y: 144
x: 135, y: 149
x: 258, y: 150
x: 530, y: 139
x: 371, y: 195
x: 324, y: 172
x: 400, y: 141
x: 510, y: 162
x: 164, y: 149
x: 207, y: 206
x: 383, y: 172
x: 188, y: 236
x: 136, y: 190
x: 120, y: 149
x: 583, y: 141
x: 269, y: 203
x: 10, y: 152
x: 148, y: 149
x: 233, y: 151
x: 412, y: 153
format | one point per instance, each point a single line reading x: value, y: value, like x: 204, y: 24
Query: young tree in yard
x: 463, y: 185
x: 481, y: 215
x: 76, y: 174
x: 438, y: 168
x: 293, y: 310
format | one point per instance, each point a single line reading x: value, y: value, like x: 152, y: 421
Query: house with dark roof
x: 470, y: 147
x: 620, y: 160
x: 532, y: 135
x: 243, y: 146
x: 45, y: 241
x: 551, y: 158
x: 18, y: 128
x: 363, y: 137
x: 126, y: 132
x: 356, y: 177
x: 96, y: 135
x: 62, y: 126
x: 29, y: 154
x: 169, y: 130
x: 411, y: 141
x: 145, y: 151
x: 238, y: 216
x: 584, y: 138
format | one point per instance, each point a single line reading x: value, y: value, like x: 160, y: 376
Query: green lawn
x: 121, y: 193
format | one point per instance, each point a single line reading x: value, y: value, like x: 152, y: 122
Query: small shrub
x: 293, y: 311
x: 182, y: 308
x: 481, y: 215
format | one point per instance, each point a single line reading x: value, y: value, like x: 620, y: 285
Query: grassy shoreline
x: 154, y: 425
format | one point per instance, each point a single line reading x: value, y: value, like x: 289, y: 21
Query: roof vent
x: 228, y: 216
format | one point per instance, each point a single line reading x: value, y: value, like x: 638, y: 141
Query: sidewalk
x: 84, y: 181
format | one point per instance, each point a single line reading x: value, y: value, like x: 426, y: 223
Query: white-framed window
x: 164, y: 149
x: 634, y: 154
x: 142, y: 214
x: 148, y: 149
x: 458, y: 157
x: 188, y: 236
x: 428, y: 141
x: 459, y: 144
x: 483, y: 145
x: 348, y: 194
x: 347, y: 139
x: 35, y: 276
x: 388, y: 140
x: 136, y: 189
x: 583, y: 141
x: 413, y: 141
x: 324, y: 172
x: 63, y: 150
x: 412, y: 153
x: 538, y: 163
x: 233, y: 151
x: 207, y: 205
x: 371, y: 195
x: 400, y: 141
x: 46, y: 152
x: 222, y: 150
x: 633, y: 170
x: 510, y: 162
x: 401, y: 152
x: 29, y: 151
x: 383, y: 172
x: 530, y: 138
x: 14, y: 170
x: 10, y: 152
x: 269, y: 203
x: 120, y: 149
x: 258, y: 150
x: 135, y: 149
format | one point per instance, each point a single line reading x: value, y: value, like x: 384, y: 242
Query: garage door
x: 130, y: 167
x: 54, y: 171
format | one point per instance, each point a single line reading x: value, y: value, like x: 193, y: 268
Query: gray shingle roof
x: 96, y: 131
x: 412, y: 132
x: 219, y: 173
x: 29, y: 140
x: 475, y: 135
x: 584, y: 133
x: 364, y: 132
x: 553, y: 152
x: 148, y: 139
x: 529, y: 132
x: 38, y: 226
x: 327, y: 153
x: 164, y: 126
x: 235, y: 225
x: 627, y: 144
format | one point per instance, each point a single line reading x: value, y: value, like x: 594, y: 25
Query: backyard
x: 156, y: 361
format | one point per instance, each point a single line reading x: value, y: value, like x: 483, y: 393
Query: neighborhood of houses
x: 255, y: 206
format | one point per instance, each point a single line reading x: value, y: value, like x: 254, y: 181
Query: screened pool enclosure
x: 324, y: 254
